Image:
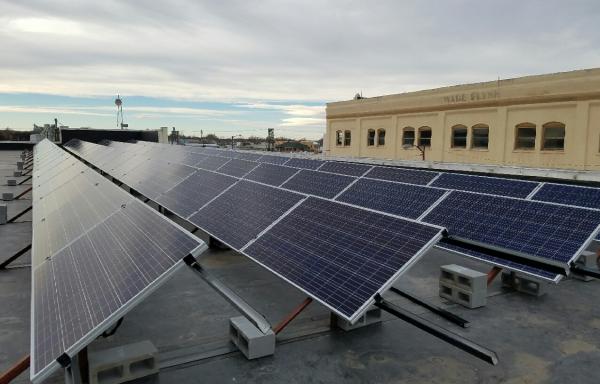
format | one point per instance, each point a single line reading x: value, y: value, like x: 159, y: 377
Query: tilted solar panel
x: 343, y: 168
x: 212, y: 163
x: 89, y: 284
x: 155, y: 177
x: 551, y: 233
x: 318, y: 183
x: 304, y: 163
x: 273, y: 159
x: 237, y: 168
x: 483, y: 184
x: 399, y: 199
x: 341, y: 255
x: 403, y: 175
x: 569, y: 194
x: 96, y: 252
x: 243, y: 211
x: 195, y: 191
x: 501, y: 262
x: 271, y: 174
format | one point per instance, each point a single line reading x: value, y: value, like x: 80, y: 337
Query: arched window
x: 347, y: 137
x: 371, y: 137
x: 459, y: 136
x: 425, y: 137
x: 408, y: 136
x: 338, y: 138
x: 554, y: 136
x: 381, y: 136
x: 480, y: 134
x: 525, y: 136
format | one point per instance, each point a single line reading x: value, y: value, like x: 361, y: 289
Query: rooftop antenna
x: 119, y: 104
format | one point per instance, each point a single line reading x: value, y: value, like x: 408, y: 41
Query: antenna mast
x: 119, y: 104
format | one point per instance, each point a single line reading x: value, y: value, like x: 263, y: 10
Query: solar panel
x: 212, y: 163
x: 349, y: 169
x: 503, y: 263
x: 96, y: 252
x: 195, y: 191
x: 154, y: 177
x: 304, y: 163
x: 273, y: 159
x: 318, y: 183
x: 484, y: 184
x: 237, y: 168
x: 243, y: 211
x: 98, y: 275
x: 399, y: 199
x: 271, y: 174
x: 403, y: 175
x: 569, y: 194
x: 341, y: 255
x: 249, y: 156
x: 552, y: 233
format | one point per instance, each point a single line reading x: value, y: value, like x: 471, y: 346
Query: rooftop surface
x: 554, y: 338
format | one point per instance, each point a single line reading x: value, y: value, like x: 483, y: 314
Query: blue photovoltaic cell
x: 237, y: 168
x: 349, y: 169
x: 211, y: 163
x: 512, y: 265
x: 403, y: 175
x: 249, y: 156
x: 245, y: 210
x: 546, y: 231
x: 318, y: 183
x: 195, y: 191
x: 340, y: 255
x: 154, y: 177
x: 569, y: 194
x: 271, y: 174
x: 399, y: 199
x: 491, y: 185
x: 304, y: 163
x: 273, y: 159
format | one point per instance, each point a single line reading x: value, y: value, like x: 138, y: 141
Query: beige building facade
x: 545, y: 121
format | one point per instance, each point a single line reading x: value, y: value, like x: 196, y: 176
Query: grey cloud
x: 280, y: 50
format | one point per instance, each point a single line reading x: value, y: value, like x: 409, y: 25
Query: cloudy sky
x: 239, y: 67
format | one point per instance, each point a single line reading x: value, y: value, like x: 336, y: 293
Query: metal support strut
x: 239, y: 303
x: 14, y: 371
x: 23, y: 193
x: 437, y: 331
x: 25, y: 179
x: 14, y: 257
x: 433, y: 308
x: 15, y: 217
x: 580, y: 270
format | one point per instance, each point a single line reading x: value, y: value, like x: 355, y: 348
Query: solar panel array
x: 96, y: 253
x: 246, y: 212
x: 409, y: 193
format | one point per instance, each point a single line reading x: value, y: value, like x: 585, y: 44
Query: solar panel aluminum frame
x: 110, y: 320
x: 537, y: 277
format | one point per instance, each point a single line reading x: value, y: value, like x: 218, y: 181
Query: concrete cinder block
x: 462, y: 296
x: 463, y: 277
x: 20, y: 165
x: 589, y: 260
x: 523, y: 284
x: 11, y: 182
x: 249, y: 339
x: 372, y: 316
x: 7, y: 196
x: 3, y: 213
x: 463, y: 285
x: 123, y: 363
x: 17, y: 173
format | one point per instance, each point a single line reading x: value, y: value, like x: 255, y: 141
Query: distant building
x: 290, y: 146
x: 544, y: 121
